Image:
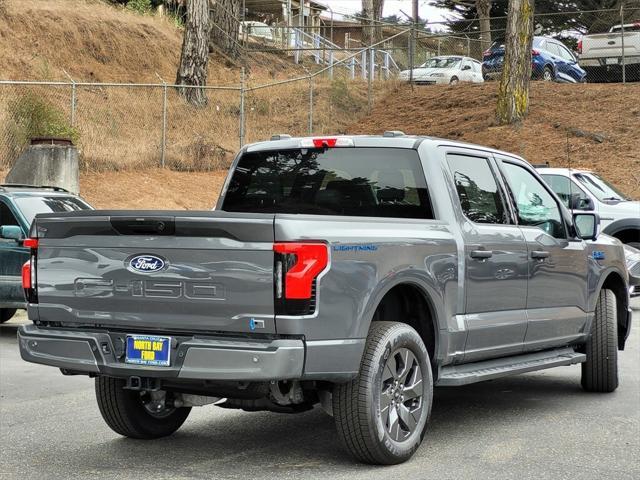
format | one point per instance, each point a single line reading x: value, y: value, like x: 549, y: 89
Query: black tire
x: 125, y: 413
x: 363, y: 424
x: 454, y: 81
x: 548, y: 75
x: 6, y: 314
x: 600, y: 371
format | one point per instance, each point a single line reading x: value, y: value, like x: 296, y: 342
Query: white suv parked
x: 586, y: 191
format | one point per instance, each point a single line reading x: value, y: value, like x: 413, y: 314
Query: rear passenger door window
x: 477, y: 189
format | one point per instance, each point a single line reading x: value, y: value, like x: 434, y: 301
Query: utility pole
x: 412, y: 49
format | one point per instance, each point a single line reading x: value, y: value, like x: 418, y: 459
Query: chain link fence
x: 118, y: 126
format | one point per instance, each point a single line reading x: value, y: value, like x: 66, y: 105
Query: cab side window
x: 477, y: 189
x: 534, y: 204
x: 6, y: 216
x: 566, y: 189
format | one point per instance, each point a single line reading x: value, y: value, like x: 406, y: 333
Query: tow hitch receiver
x: 142, y: 384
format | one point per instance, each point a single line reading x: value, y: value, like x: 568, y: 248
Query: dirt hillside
x: 601, y: 122
x: 97, y: 42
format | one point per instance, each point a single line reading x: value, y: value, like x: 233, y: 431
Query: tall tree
x: 194, y: 57
x: 372, y: 13
x: 483, y: 7
x: 225, y: 25
x: 582, y: 16
x: 513, y: 93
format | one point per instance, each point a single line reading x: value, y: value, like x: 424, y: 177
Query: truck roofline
x: 380, y: 141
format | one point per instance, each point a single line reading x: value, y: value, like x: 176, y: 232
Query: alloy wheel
x: 401, y: 404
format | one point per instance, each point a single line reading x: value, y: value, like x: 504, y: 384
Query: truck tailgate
x: 603, y: 45
x: 157, y: 271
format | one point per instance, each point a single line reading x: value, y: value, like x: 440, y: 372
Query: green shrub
x: 31, y: 116
x: 142, y: 7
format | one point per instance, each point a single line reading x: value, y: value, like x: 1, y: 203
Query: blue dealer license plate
x: 148, y: 350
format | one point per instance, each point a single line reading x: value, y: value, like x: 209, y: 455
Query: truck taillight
x: 580, y: 46
x: 26, y: 275
x: 535, y: 53
x: 297, y: 266
x: 29, y: 271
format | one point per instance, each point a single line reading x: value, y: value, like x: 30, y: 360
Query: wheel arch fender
x: 613, y: 279
x: 429, y: 291
x: 622, y: 225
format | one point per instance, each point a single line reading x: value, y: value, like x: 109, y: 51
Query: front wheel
x: 454, y: 81
x: 381, y: 415
x: 600, y: 371
x: 135, y: 414
x: 6, y: 314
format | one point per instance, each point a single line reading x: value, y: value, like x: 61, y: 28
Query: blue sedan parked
x: 550, y: 61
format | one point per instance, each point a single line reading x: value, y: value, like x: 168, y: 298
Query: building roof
x: 275, y: 6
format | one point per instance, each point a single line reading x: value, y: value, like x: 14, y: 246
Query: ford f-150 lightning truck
x: 353, y: 272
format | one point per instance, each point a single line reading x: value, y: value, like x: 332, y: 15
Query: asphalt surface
x: 538, y: 425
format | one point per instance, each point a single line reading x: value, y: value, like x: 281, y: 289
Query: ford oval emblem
x: 146, y: 264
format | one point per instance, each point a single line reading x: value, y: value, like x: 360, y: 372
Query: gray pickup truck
x: 352, y: 272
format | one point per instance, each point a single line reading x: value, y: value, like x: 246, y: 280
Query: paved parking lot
x: 538, y: 426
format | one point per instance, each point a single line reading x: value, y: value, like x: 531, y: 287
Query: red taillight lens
x: 324, y: 142
x: 30, y: 242
x: 26, y: 275
x: 29, y: 271
x: 535, y: 52
x: 486, y: 53
x: 579, y: 46
x: 307, y: 261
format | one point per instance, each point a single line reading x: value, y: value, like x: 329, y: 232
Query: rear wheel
x: 381, y: 416
x: 547, y: 74
x: 6, y: 314
x: 136, y: 414
x: 600, y: 371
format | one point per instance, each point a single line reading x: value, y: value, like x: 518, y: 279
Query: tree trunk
x: 513, y: 93
x: 483, y: 7
x: 225, y: 25
x: 372, y: 13
x: 195, y: 52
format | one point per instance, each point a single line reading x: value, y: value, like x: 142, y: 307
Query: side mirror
x: 587, y: 225
x: 581, y: 203
x: 11, y: 232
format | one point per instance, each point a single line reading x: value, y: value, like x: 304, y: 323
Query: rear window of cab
x: 367, y: 182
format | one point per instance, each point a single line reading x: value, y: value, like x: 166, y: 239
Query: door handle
x: 539, y: 254
x: 481, y: 254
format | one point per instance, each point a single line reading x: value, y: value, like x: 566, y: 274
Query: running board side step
x: 501, y: 367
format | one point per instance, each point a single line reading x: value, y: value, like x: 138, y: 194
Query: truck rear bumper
x: 195, y: 358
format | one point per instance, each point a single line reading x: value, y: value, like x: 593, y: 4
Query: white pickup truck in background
x: 601, y: 54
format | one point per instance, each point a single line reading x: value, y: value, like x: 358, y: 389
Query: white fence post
x: 331, y: 64
x: 363, y: 66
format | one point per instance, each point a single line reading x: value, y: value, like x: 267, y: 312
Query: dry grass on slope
x: 558, y: 112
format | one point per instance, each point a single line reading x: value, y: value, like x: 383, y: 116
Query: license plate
x: 612, y: 61
x: 148, y: 350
